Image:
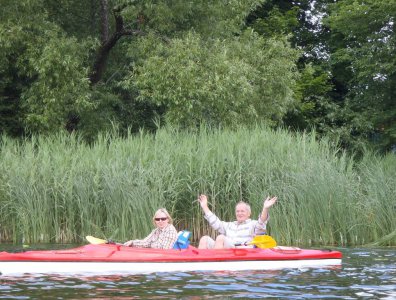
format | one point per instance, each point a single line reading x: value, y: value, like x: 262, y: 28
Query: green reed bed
x: 59, y: 189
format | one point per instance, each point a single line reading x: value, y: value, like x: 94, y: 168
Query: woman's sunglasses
x: 160, y: 219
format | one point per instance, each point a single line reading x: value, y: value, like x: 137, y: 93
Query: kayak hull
x: 116, y: 259
x: 95, y: 268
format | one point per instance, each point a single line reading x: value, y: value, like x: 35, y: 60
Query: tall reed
x: 59, y: 189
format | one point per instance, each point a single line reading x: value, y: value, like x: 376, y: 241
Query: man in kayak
x: 238, y: 232
x: 163, y: 236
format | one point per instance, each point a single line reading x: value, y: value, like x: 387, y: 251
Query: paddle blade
x: 263, y: 241
x: 95, y: 241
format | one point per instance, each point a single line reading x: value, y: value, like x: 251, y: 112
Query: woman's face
x: 161, y: 220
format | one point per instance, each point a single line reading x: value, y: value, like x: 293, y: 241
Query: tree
x: 367, y: 33
x: 347, y: 66
x: 315, y: 98
x: 44, y: 69
x: 83, y: 64
x: 238, y: 80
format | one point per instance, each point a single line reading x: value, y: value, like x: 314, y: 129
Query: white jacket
x: 238, y: 232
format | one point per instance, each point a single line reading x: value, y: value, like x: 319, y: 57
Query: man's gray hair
x: 247, y: 205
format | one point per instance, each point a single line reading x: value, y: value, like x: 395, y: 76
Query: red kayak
x: 117, y: 259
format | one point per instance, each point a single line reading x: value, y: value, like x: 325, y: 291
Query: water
x: 365, y: 274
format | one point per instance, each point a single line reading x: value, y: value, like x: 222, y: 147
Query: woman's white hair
x: 163, y: 210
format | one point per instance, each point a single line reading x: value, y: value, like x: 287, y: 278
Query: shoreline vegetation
x: 59, y: 189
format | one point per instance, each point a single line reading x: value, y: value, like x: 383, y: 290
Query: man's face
x: 242, y: 212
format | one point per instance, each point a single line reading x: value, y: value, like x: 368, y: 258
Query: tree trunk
x: 104, y: 20
x: 108, y: 42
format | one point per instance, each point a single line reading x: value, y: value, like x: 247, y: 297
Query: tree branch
x: 108, y: 42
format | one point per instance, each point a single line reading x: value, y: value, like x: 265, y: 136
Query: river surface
x: 366, y: 273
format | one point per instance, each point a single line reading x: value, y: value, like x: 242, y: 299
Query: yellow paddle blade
x: 95, y: 241
x: 263, y: 241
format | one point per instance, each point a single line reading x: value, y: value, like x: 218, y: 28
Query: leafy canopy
x: 239, y: 80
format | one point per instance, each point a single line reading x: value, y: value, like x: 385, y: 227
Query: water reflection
x: 365, y: 274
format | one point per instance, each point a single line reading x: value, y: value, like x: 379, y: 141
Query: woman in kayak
x: 240, y: 231
x: 162, y: 237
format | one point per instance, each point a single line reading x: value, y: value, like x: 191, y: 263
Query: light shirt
x: 237, y: 232
x: 159, y: 238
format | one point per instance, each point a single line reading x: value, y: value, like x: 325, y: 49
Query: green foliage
x: 210, y: 18
x: 15, y: 30
x: 190, y: 61
x: 115, y: 112
x: 51, y: 65
x: 53, y: 57
x: 367, y: 31
x: 352, y: 44
x: 219, y: 81
x: 61, y: 83
x: 77, y: 18
x: 315, y: 108
x: 59, y: 189
x: 277, y: 22
x: 317, y: 91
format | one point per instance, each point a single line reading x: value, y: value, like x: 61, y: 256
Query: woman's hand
x: 129, y: 243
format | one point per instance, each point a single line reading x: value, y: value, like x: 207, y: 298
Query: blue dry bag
x: 182, y: 241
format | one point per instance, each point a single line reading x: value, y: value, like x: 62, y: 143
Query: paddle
x: 261, y: 241
x: 96, y: 241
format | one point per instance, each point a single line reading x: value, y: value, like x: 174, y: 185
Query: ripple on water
x: 365, y: 273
